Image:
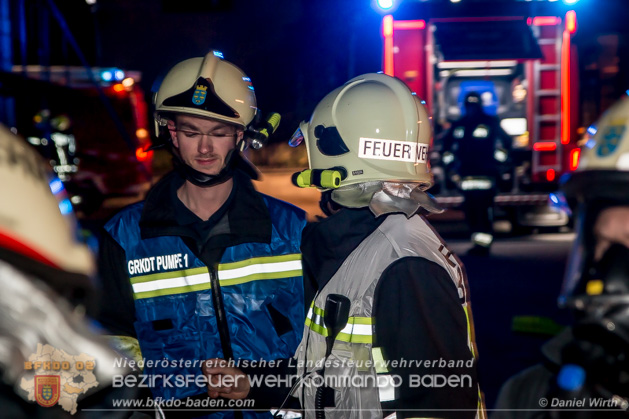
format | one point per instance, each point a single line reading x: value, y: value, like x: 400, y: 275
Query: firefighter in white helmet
x: 206, y: 267
x: 588, y: 360
x: 46, y: 277
x: 393, y: 303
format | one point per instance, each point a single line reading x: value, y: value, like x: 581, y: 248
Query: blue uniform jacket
x: 259, y: 272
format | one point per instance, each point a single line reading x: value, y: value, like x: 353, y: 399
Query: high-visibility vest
x: 354, y: 356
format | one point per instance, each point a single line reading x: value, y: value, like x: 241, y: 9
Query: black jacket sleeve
x: 275, y: 395
x: 116, y: 308
x: 420, y: 323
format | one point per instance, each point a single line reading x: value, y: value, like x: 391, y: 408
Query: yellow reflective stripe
x: 260, y: 276
x: 481, y: 413
x: 169, y: 275
x: 360, y: 320
x: 317, y: 328
x: 345, y: 337
x: 317, y: 310
x: 378, y: 360
x: 234, y: 273
x: 259, y: 260
x: 172, y: 291
x: 357, y: 330
x: 469, y: 330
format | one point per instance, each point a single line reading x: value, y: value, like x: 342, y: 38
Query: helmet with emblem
x: 208, y: 87
x: 596, y: 282
x: 212, y: 88
x: 600, y: 182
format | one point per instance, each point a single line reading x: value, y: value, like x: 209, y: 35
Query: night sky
x: 295, y: 51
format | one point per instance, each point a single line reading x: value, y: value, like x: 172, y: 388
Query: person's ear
x: 173, y: 134
x: 239, y: 143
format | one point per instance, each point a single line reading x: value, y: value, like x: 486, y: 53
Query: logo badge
x: 47, y: 389
x: 199, y: 95
x: 610, y: 139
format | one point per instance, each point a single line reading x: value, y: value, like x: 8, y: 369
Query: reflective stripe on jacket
x: 175, y: 320
x: 356, y: 368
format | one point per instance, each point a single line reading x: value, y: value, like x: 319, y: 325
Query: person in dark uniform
x: 475, y: 152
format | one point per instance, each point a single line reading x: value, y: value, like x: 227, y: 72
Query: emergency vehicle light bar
x: 75, y: 76
x: 478, y: 72
x: 544, y: 21
x: 545, y: 146
x: 477, y: 64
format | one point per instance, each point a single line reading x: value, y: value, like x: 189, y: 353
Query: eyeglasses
x: 198, y: 135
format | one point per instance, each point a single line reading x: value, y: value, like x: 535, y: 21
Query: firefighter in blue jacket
x: 206, y: 267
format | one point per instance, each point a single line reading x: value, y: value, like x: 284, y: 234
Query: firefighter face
x: 203, y: 144
x: 612, y: 226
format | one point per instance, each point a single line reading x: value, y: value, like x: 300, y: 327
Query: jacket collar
x: 327, y: 243
x: 247, y: 214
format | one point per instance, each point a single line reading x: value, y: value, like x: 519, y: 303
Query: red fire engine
x: 93, y: 128
x: 525, y: 69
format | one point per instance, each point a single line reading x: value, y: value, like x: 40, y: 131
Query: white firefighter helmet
x: 208, y: 87
x: 601, y: 181
x: 374, y: 128
x: 31, y: 222
x: 596, y: 282
x: 603, y: 169
x: 365, y: 136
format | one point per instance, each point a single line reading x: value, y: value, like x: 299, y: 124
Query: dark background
x: 295, y: 51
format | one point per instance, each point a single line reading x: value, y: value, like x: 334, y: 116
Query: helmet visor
x: 297, y: 138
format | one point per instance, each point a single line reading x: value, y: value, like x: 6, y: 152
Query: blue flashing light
x: 571, y: 377
x: 106, y: 75
x: 592, y: 130
x: 590, y: 143
x: 118, y: 75
x: 65, y: 206
x: 250, y: 87
x: 558, y: 201
x: 570, y: 1
x: 218, y: 54
x: 56, y: 185
x: 385, y: 4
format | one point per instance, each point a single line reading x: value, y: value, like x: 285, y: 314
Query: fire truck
x: 525, y: 69
x: 90, y: 123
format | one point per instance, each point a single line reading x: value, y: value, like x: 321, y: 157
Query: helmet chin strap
x: 234, y: 160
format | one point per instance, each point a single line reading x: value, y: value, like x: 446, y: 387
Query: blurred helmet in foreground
x: 44, y: 269
x: 368, y: 137
x: 596, y: 284
x: 32, y: 225
x: 601, y: 181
